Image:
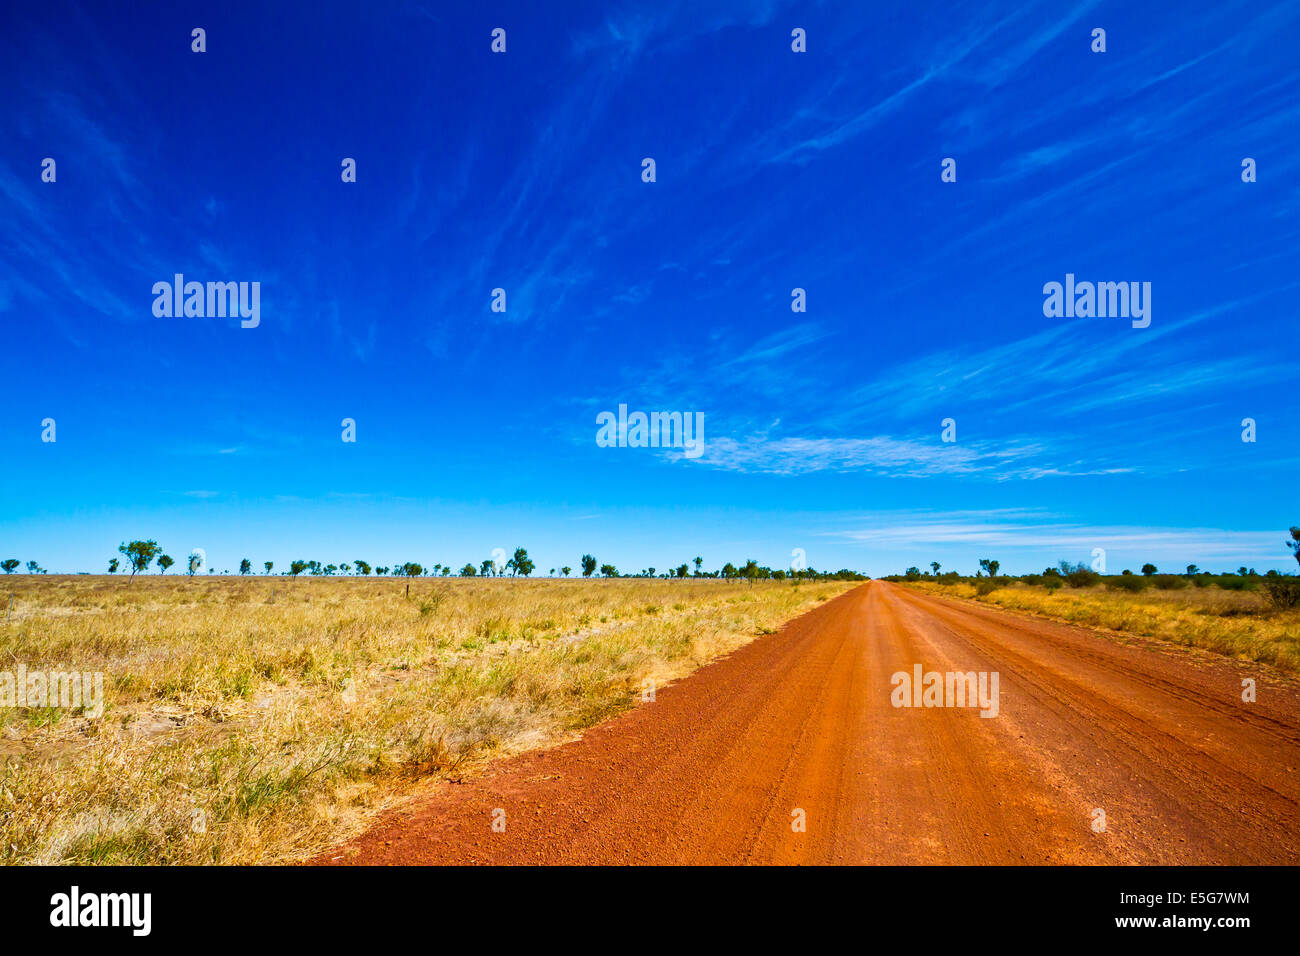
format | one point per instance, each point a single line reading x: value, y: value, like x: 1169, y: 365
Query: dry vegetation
x: 243, y: 726
x: 1239, y: 624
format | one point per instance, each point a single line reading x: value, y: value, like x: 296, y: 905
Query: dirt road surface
x: 719, y: 766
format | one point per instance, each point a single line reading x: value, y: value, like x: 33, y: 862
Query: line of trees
x: 138, y: 556
x: 1282, y: 590
x: 1079, y: 573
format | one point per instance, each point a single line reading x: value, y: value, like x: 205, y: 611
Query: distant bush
x: 1053, y: 582
x: 985, y: 586
x: 1283, y: 592
x: 1128, y: 582
x: 1032, y: 580
x: 1169, y: 582
x: 1082, y: 578
x: 1236, y: 582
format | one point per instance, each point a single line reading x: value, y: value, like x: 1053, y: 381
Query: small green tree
x: 10, y: 565
x: 935, y: 566
x: 608, y: 571
x: 588, y: 565
x: 112, y: 566
x: 362, y: 567
x: 245, y: 566
x: 34, y: 568
x: 699, y: 563
x: 682, y: 570
x: 268, y: 565
x: 521, y: 563
x: 565, y: 570
x: 1192, y: 569
x: 164, y: 562
x: 297, y: 567
x: 468, y: 571
x: 1294, y: 544
x: 140, y: 554
x: 1149, y: 569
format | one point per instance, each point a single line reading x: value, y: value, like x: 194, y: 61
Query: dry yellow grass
x: 1235, y: 623
x: 243, y: 727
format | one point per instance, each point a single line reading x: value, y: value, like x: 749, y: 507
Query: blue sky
x: 775, y: 170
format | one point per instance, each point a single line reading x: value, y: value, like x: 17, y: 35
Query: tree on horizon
x: 140, y: 554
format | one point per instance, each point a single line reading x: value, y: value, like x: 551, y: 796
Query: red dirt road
x: 716, y: 768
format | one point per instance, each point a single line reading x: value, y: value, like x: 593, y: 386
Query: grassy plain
x: 257, y: 720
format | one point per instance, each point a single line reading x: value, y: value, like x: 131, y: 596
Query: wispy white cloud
x: 1066, y: 369
x: 1043, y: 531
x: 943, y: 65
x: 890, y: 456
x: 626, y: 34
x: 1035, y: 400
